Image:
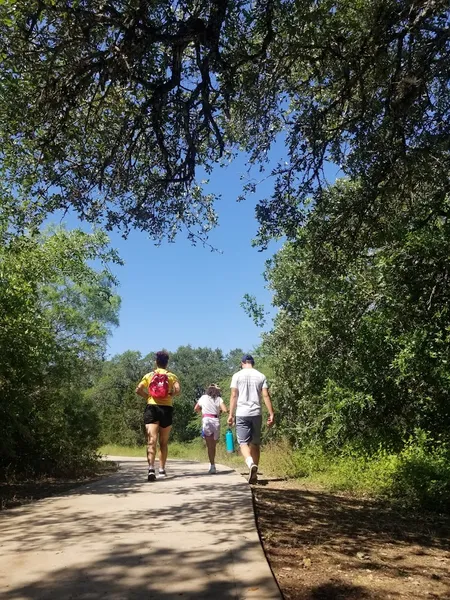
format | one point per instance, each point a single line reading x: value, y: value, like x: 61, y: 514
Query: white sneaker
x: 253, y: 474
x: 162, y: 473
x: 212, y: 470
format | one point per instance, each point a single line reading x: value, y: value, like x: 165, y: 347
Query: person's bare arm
x: 197, y: 407
x: 142, y: 390
x: 233, y: 403
x: 268, y: 403
x: 223, y: 407
x: 176, y: 389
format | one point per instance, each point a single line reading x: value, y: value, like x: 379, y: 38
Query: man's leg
x: 250, y: 452
x: 244, y: 436
x: 245, y: 450
x: 244, y: 432
x: 164, y: 433
x: 255, y: 451
x: 256, y: 423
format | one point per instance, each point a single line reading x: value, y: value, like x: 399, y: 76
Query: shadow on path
x: 125, y: 539
x: 133, y: 573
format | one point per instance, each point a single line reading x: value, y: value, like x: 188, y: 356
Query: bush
x: 416, y: 477
x: 422, y: 476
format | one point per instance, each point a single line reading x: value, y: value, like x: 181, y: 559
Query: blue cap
x: 248, y: 358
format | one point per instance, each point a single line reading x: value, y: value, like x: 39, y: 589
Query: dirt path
x: 191, y: 536
x: 324, y: 546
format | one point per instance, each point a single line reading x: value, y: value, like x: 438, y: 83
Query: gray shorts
x: 248, y: 430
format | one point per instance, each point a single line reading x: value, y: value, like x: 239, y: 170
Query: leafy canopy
x: 115, y: 108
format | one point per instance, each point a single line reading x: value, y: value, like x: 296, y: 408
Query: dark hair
x: 248, y: 358
x: 162, y: 358
x: 213, y: 390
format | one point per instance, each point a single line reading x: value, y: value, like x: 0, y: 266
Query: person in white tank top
x: 211, y: 405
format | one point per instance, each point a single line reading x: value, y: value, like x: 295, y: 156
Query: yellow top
x: 168, y: 401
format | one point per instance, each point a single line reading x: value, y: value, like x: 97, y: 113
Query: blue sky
x: 203, y: 289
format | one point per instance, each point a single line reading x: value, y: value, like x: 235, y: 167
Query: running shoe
x: 212, y: 470
x: 151, y: 475
x: 162, y: 472
x: 253, y: 474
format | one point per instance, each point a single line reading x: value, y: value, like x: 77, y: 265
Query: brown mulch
x: 326, y: 546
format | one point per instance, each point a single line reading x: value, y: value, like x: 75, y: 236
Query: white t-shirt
x: 210, y: 406
x: 249, y: 383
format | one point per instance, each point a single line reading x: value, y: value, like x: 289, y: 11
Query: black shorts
x: 155, y: 413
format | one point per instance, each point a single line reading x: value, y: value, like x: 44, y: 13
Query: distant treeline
x: 120, y: 410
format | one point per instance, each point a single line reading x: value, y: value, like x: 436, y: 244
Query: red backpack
x: 159, y: 386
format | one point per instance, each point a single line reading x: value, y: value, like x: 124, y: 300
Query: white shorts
x: 211, y: 426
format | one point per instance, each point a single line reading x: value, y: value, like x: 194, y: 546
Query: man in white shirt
x: 248, y: 386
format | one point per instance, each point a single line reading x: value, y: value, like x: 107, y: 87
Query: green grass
x: 195, y: 450
x: 276, y: 458
x: 116, y: 450
x: 416, y: 477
